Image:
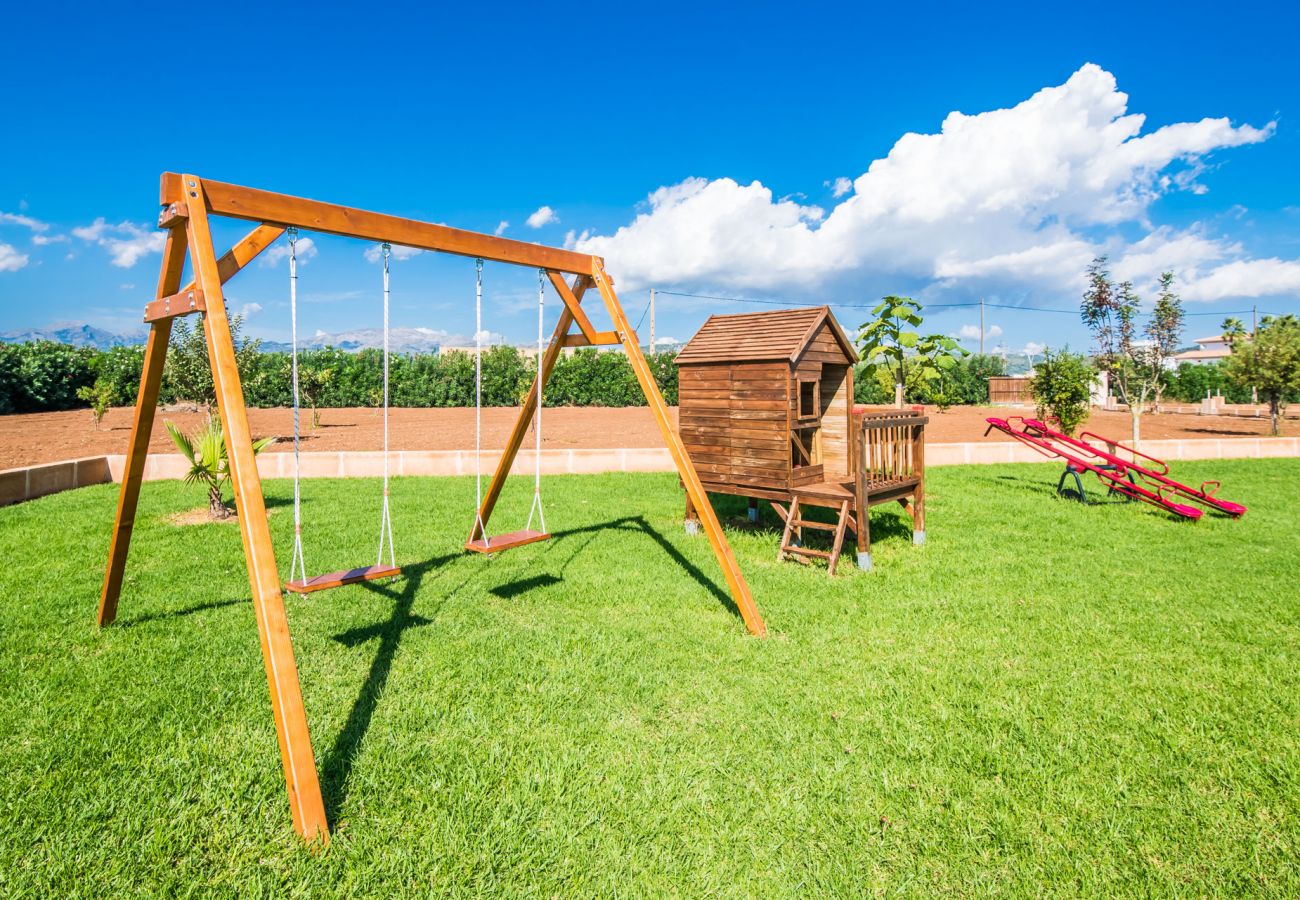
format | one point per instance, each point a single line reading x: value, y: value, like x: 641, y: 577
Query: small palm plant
x: 206, y: 452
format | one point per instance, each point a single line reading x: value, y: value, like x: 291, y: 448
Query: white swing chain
x: 385, y: 521
x: 298, y: 564
x: 537, y: 415
x: 478, y: 401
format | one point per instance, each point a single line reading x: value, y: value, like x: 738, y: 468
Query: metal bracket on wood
x: 182, y: 304
x: 174, y: 215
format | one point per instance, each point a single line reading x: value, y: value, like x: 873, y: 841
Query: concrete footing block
x: 918, y: 537
x: 864, y: 561
x: 692, y: 527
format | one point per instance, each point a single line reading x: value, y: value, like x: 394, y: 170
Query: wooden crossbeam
x: 243, y: 253
x: 599, y: 339
x: 238, y: 202
x: 173, y: 215
x: 180, y: 304
x: 574, y: 306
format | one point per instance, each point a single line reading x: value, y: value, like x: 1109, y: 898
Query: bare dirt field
x: 48, y: 437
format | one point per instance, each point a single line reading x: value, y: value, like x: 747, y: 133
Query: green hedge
x: 45, y: 376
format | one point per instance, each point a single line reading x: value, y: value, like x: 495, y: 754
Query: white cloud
x: 374, y: 253
x: 10, y: 259
x: 501, y: 228
x: 126, y: 242
x: 126, y: 287
x: 1021, y: 198
x: 1246, y: 278
x: 972, y: 332
x: 840, y: 186
x: 1033, y: 348
x: 248, y: 310
x: 25, y: 221
x: 40, y: 240
x: 279, y: 251
x: 93, y: 231
x: 544, y: 216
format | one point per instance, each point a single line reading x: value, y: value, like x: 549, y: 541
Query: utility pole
x: 652, y: 320
x: 1254, y: 327
x: 981, y: 326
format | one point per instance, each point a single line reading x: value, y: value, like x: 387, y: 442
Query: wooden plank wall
x: 824, y: 358
x: 836, y: 390
x: 732, y: 419
x: 1009, y: 389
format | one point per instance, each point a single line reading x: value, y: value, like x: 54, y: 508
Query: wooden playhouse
x: 766, y: 412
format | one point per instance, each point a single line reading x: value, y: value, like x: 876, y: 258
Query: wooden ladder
x: 801, y: 553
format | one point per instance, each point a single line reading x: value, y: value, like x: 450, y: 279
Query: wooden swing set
x: 188, y: 202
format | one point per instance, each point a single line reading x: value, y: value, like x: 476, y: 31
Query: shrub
x: 11, y: 384
x: 48, y: 375
x: 1062, y: 388
x: 187, y: 377
x: 54, y: 376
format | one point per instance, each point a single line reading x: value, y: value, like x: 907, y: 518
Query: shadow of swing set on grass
x: 336, y: 765
x: 187, y: 203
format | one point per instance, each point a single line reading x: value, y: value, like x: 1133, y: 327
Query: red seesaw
x: 1139, y: 477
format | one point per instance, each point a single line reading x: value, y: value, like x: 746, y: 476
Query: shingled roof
x: 779, y: 334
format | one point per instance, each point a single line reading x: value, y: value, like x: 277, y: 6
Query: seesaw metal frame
x: 188, y: 203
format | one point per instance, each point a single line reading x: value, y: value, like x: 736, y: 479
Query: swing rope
x: 537, y: 414
x: 385, y: 521
x: 478, y: 400
x: 298, y: 564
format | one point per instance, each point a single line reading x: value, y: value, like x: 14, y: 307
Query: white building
x: 1208, y: 350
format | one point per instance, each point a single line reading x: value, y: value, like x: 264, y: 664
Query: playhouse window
x: 809, y: 399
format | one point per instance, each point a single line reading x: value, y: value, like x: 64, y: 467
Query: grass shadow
x: 178, y: 613
x: 336, y: 766
x: 523, y: 585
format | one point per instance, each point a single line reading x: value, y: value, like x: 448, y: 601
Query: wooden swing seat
x: 507, y: 541
x: 338, y: 579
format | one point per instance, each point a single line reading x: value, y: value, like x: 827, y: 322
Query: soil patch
x: 31, y: 439
x: 198, y: 516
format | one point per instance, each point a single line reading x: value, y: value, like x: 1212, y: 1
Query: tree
x: 1135, y: 366
x: 890, y: 346
x: 1062, y: 388
x: 206, y: 452
x: 313, y: 381
x: 187, y: 376
x: 1268, y: 360
x: 1164, y: 332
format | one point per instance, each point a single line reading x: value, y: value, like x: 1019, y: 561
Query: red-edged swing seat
x: 508, y: 541
x: 338, y: 579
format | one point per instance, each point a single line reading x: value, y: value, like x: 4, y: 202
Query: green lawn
x: 1046, y: 698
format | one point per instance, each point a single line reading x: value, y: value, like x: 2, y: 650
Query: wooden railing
x: 891, y: 446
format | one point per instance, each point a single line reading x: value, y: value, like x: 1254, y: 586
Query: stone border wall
x: 17, y: 485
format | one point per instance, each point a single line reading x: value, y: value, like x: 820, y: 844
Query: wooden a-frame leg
x: 303, y: 785
x: 517, y: 434
x: 740, y: 594
x: 146, y: 404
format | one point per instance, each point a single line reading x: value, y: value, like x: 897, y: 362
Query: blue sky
x: 714, y: 150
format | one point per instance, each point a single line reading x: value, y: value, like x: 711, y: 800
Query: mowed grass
x: 1046, y: 698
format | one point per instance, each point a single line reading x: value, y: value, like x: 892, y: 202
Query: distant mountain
x: 78, y: 335
x: 400, y: 340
